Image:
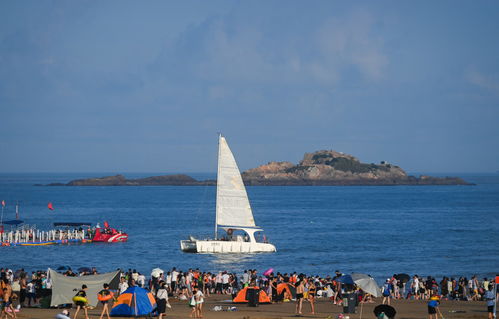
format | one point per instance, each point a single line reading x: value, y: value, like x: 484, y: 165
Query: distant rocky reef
x: 120, y: 180
x: 320, y: 168
x: 336, y: 168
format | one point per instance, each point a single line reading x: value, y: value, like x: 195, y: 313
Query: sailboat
x: 233, y: 213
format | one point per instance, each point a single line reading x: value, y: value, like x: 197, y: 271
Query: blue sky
x: 144, y: 86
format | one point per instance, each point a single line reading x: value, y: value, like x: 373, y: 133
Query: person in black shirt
x: 104, y: 296
x: 81, y: 304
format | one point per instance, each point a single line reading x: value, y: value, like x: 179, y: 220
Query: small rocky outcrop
x: 120, y: 180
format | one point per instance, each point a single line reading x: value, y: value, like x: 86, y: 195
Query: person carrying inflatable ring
x: 104, y: 296
x: 80, y: 300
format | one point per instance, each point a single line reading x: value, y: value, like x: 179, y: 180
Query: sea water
x: 378, y: 230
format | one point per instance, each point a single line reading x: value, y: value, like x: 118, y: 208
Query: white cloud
x: 485, y: 81
x: 226, y: 51
x: 350, y: 40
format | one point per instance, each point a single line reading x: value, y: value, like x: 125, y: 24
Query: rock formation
x: 318, y: 168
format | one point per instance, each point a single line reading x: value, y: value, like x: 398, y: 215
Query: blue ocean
x: 378, y: 230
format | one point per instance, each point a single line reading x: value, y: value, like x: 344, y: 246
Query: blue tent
x: 134, y: 302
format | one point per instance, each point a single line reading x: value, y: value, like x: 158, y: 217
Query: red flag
x: 106, y: 224
x: 49, y: 205
x: 3, y: 203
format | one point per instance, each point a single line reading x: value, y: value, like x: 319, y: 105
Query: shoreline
x: 407, y: 309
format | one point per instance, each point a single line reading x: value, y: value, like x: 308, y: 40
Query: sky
x: 145, y: 86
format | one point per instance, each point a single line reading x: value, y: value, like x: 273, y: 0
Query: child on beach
x: 104, y: 294
x: 433, y: 307
x: 81, y: 304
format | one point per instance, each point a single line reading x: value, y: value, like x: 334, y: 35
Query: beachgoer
x: 312, y: 289
x: 433, y: 307
x: 104, y: 293
x: 8, y: 297
x: 5, y: 305
x: 193, y: 305
x: 31, y: 293
x: 387, y: 290
x: 300, y: 289
x: 123, y: 285
x: 174, y: 280
x: 162, y: 299
x: 81, y: 304
x: 63, y: 315
x: 491, y: 300
x: 199, y: 303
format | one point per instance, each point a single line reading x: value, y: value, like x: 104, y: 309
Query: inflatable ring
x: 80, y: 299
x: 268, y: 271
x: 105, y: 298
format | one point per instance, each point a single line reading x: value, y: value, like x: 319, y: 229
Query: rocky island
x: 320, y: 168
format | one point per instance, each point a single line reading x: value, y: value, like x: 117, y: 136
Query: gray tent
x: 65, y: 288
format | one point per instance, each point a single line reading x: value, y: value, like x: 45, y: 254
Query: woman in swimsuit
x: 311, y: 294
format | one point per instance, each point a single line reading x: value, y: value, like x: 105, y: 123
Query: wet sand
x: 406, y: 309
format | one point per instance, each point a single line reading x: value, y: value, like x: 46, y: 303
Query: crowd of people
x: 193, y: 286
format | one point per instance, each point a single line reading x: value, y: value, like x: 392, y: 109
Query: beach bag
x: 192, y: 302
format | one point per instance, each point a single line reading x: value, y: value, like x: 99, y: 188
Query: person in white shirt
x: 174, y: 279
x: 199, y: 297
x: 245, y: 278
x: 218, y: 283
x: 31, y: 293
x: 123, y: 285
x: 141, y: 280
x: 225, y: 282
x: 162, y: 299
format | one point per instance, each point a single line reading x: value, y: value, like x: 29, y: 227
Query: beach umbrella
x: 84, y: 269
x: 345, y: 279
x: 403, y: 277
x: 366, y: 283
x: 388, y: 310
x: 156, y: 272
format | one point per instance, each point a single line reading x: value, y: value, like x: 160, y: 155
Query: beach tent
x: 242, y: 296
x: 64, y: 288
x: 288, y: 289
x: 135, y: 301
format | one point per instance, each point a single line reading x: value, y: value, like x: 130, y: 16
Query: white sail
x: 233, y: 207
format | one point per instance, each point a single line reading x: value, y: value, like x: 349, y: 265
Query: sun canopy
x: 71, y: 224
x: 65, y: 288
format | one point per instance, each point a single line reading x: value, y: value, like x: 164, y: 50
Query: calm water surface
x: 379, y: 230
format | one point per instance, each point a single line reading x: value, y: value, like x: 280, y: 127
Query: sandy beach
x: 406, y: 309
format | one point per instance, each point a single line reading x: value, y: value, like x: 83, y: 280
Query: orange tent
x: 288, y: 289
x: 241, y: 296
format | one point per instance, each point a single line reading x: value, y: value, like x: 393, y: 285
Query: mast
x: 218, y: 182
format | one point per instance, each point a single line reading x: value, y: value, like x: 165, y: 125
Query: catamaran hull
x: 224, y: 247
